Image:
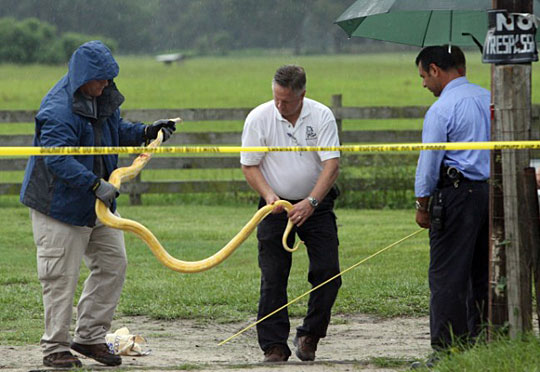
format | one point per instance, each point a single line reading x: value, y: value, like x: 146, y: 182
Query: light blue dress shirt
x: 461, y: 114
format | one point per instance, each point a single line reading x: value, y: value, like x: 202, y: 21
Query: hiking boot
x: 276, y: 353
x: 306, y: 346
x: 98, y: 352
x: 62, y: 359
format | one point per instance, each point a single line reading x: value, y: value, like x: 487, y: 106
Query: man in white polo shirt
x: 306, y: 179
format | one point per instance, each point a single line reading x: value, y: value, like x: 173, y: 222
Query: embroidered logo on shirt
x: 310, y: 134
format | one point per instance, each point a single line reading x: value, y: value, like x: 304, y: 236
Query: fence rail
x: 230, y: 138
x: 225, y: 162
x: 137, y: 187
x: 213, y: 114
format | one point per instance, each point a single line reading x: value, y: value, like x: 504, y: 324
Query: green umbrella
x: 419, y: 22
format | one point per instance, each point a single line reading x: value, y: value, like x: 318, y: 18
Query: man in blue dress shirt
x: 452, y: 200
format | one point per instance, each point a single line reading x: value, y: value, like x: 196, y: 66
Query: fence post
x: 336, y: 105
x: 535, y: 123
x: 532, y: 222
x: 135, y: 197
x: 498, y: 301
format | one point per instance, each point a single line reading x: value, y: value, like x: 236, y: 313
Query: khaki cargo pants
x: 60, y: 249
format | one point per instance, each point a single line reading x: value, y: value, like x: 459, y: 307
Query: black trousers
x: 458, y: 270
x: 319, y: 233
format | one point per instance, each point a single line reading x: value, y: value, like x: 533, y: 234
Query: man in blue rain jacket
x: 82, y: 109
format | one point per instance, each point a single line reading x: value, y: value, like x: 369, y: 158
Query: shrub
x: 218, y: 43
x: 34, y: 41
x: 70, y: 41
x: 25, y: 41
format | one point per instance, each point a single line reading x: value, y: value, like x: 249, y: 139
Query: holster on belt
x: 449, y: 176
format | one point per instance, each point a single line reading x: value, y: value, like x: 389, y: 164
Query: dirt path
x: 351, y: 345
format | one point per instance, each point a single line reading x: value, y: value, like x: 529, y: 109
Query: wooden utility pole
x: 511, y: 97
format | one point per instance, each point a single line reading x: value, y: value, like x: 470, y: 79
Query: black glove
x: 151, y: 131
x: 105, y: 191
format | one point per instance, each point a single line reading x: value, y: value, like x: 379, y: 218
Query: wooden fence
x: 137, y: 187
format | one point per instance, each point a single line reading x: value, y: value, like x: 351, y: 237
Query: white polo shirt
x: 292, y: 175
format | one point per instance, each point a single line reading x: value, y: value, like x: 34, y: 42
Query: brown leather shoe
x: 306, y: 346
x: 98, y: 352
x: 276, y: 353
x: 62, y: 359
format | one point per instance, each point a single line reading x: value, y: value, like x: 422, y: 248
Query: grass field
x: 392, y: 284
x: 364, y: 80
x: 239, y: 82
x: 371, y: 79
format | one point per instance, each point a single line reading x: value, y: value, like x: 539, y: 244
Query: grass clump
x: 502, y: 355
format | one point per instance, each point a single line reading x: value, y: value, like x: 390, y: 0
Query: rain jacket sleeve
x: 67, y: 168
x: 131, y: 134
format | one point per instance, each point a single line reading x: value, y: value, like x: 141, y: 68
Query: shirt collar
x: 306, y: 111
x: 454, y: 83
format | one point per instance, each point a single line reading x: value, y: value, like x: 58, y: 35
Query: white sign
x: 510, y: 38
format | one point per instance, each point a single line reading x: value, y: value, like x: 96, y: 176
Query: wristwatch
x: 420, y: 207
x: 313, y: 202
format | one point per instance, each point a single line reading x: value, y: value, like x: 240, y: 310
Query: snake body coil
x: 109, y: 219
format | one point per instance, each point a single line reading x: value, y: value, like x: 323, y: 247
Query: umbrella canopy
x: 419, y: 22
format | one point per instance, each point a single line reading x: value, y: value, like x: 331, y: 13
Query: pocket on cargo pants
x: 50, y: 262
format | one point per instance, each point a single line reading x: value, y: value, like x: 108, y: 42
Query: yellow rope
x: 320, y: 285
x: 48, y: 151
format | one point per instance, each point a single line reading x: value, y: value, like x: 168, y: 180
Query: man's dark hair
x: 437, y: 55
x: 459, y: 58
x: 291, y: 76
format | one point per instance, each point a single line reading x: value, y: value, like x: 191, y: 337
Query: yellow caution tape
x: 48, y: 151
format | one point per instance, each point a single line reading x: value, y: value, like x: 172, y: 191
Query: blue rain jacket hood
x: 60, y: 186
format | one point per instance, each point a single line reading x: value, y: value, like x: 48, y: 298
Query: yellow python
x: 109, y: 219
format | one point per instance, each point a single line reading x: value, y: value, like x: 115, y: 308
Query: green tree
x: 126, y: 21
x: 205, y: 26
x: 26, y: 41
x: 33, y: 41
x: 69, y: 41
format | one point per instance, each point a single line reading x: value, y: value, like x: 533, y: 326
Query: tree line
x: 34, y: 41
x: 196, y: 26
